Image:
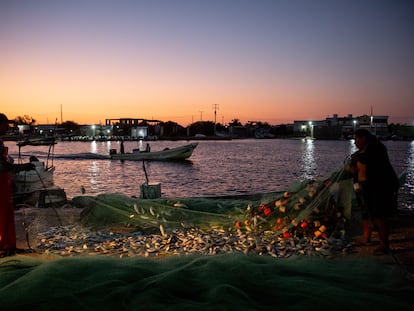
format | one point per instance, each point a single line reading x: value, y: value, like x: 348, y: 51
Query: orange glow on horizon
x: 282, y: 63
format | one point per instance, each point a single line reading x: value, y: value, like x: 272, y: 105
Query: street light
x: 93, y: 127
x: 311, y: 128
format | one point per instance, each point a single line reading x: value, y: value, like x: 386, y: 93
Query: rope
x: 145, y: 171
x: 45, y: 188
x: 26, y: 229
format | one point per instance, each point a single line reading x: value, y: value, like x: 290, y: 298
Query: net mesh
x: 223, y: 282
x: 316, y: 203
x: 117, y: 224
x: 114, y: 224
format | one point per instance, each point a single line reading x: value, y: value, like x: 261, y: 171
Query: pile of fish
x: 74, y: 240
x: 306, y: 221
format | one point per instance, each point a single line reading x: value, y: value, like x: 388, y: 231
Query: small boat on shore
x: 36, y: 186
x: 41, y: 177
x: 27, y: 182
x: 178, y: 153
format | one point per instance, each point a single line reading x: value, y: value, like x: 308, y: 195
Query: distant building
x: 135, y: 128
x: 238, y: 131
x: 96, y: 130
x: 131, y: 122
x: 341, y: 127
x: 139, y: 132
x: 378, y: 125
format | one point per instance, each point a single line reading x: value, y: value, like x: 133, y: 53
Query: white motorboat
x: 178, y: 153
x: 31, y: 184
x: 27, y: 182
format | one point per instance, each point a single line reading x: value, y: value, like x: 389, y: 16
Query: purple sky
x: 273, y: 61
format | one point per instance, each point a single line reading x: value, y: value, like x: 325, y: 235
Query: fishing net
x: 309, y: 205
x: 91, y: 254
x: 223, y: 282
x: 272, y: 223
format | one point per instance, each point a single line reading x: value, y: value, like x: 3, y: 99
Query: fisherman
x: 376, y: 185
x: 7, y: 224
x: 148, y: 148
x: 122, y: 150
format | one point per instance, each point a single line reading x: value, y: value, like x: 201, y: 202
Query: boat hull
x: 27, y: 182
x: 173, y: 154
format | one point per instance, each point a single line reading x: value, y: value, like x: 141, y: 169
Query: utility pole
x: 215, y: 107
x: 372, y: 120
x: 201, y: 115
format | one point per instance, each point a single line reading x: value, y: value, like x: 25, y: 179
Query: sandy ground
x: 401, y: 242
x: 401, y: 238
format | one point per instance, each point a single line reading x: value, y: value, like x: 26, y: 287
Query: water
x: 215, y: 168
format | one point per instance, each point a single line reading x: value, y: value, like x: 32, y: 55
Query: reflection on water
x: 94, y: 147
x: 215, y: 168
x: 93, y: 170
x: 309, y: 164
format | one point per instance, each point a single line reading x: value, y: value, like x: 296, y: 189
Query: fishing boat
x: 49, y: 141
x: 36, y: 186
x: 27, y: 182
x: 41, y: 177
x: 178, y: 153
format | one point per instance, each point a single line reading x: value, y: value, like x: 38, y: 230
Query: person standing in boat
x: 376, y: 185
x: 7, y: 224
x: 122, y: 148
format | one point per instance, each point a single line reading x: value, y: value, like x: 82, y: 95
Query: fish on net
x: 116, y: 223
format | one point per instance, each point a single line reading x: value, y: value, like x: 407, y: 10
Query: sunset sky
x: 273, y: 61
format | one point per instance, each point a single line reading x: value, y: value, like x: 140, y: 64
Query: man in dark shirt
x: 376, y: 183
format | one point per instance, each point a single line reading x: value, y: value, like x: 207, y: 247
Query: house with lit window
x: 341, y: 127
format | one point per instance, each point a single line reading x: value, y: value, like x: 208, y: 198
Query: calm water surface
x: 215, y: 168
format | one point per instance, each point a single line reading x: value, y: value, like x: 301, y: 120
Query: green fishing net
x: 223, y: 282
x: 67, y: 271
x: 309, y: 207
x: 120, y: 225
